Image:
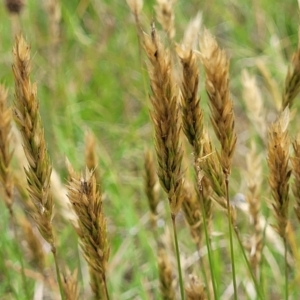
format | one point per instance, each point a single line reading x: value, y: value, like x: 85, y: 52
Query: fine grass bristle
x: 87, y: 203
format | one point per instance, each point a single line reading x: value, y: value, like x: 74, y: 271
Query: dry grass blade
x: 296, y: 173
x: 87, y: 203
x: 292, y: 80
x: 27, y: 117
x: 166, y: 278
x: 221, y: 106
x: 5, y: 152
x: 279, y: 171
x: 165, y: 117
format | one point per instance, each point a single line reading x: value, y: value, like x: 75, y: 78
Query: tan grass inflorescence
x: 279, y: 174
x: 216, y: 67
x: 165, y: 117
x: 86, y: 200
x: 27, y: 117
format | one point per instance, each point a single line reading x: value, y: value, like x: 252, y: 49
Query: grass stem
x: 53, y: 249
x: 230, y: 237
x: 178, y: 257
x: 208, y: 246
x: 286, y: 270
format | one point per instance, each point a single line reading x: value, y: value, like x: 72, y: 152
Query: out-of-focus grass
x: 99, y: 83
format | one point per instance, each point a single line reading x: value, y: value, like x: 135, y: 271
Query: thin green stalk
x: 208, y: 246
x: 230, y: 238
x: 53, y: 249
x: 257, y: 287
x: 178, y: 257
x: 286, y: 270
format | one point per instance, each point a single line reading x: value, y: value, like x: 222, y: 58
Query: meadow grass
x: 123, y: 91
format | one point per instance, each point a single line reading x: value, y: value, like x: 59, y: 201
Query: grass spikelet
x: 165, y: 16
x: 70, y: 285
x: 150, y: 184
x: 5, y: 152
x: 91, y: 158
x: 213, y: 171
x: 295, y: 159
x: 216, y: 67
x: 195, y: 290
x: 192, y: 114
x: 87, y: 203
x: 166, y: 278
x: 192, y: 212
x: 292, y: 80
x: 279, y: 172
